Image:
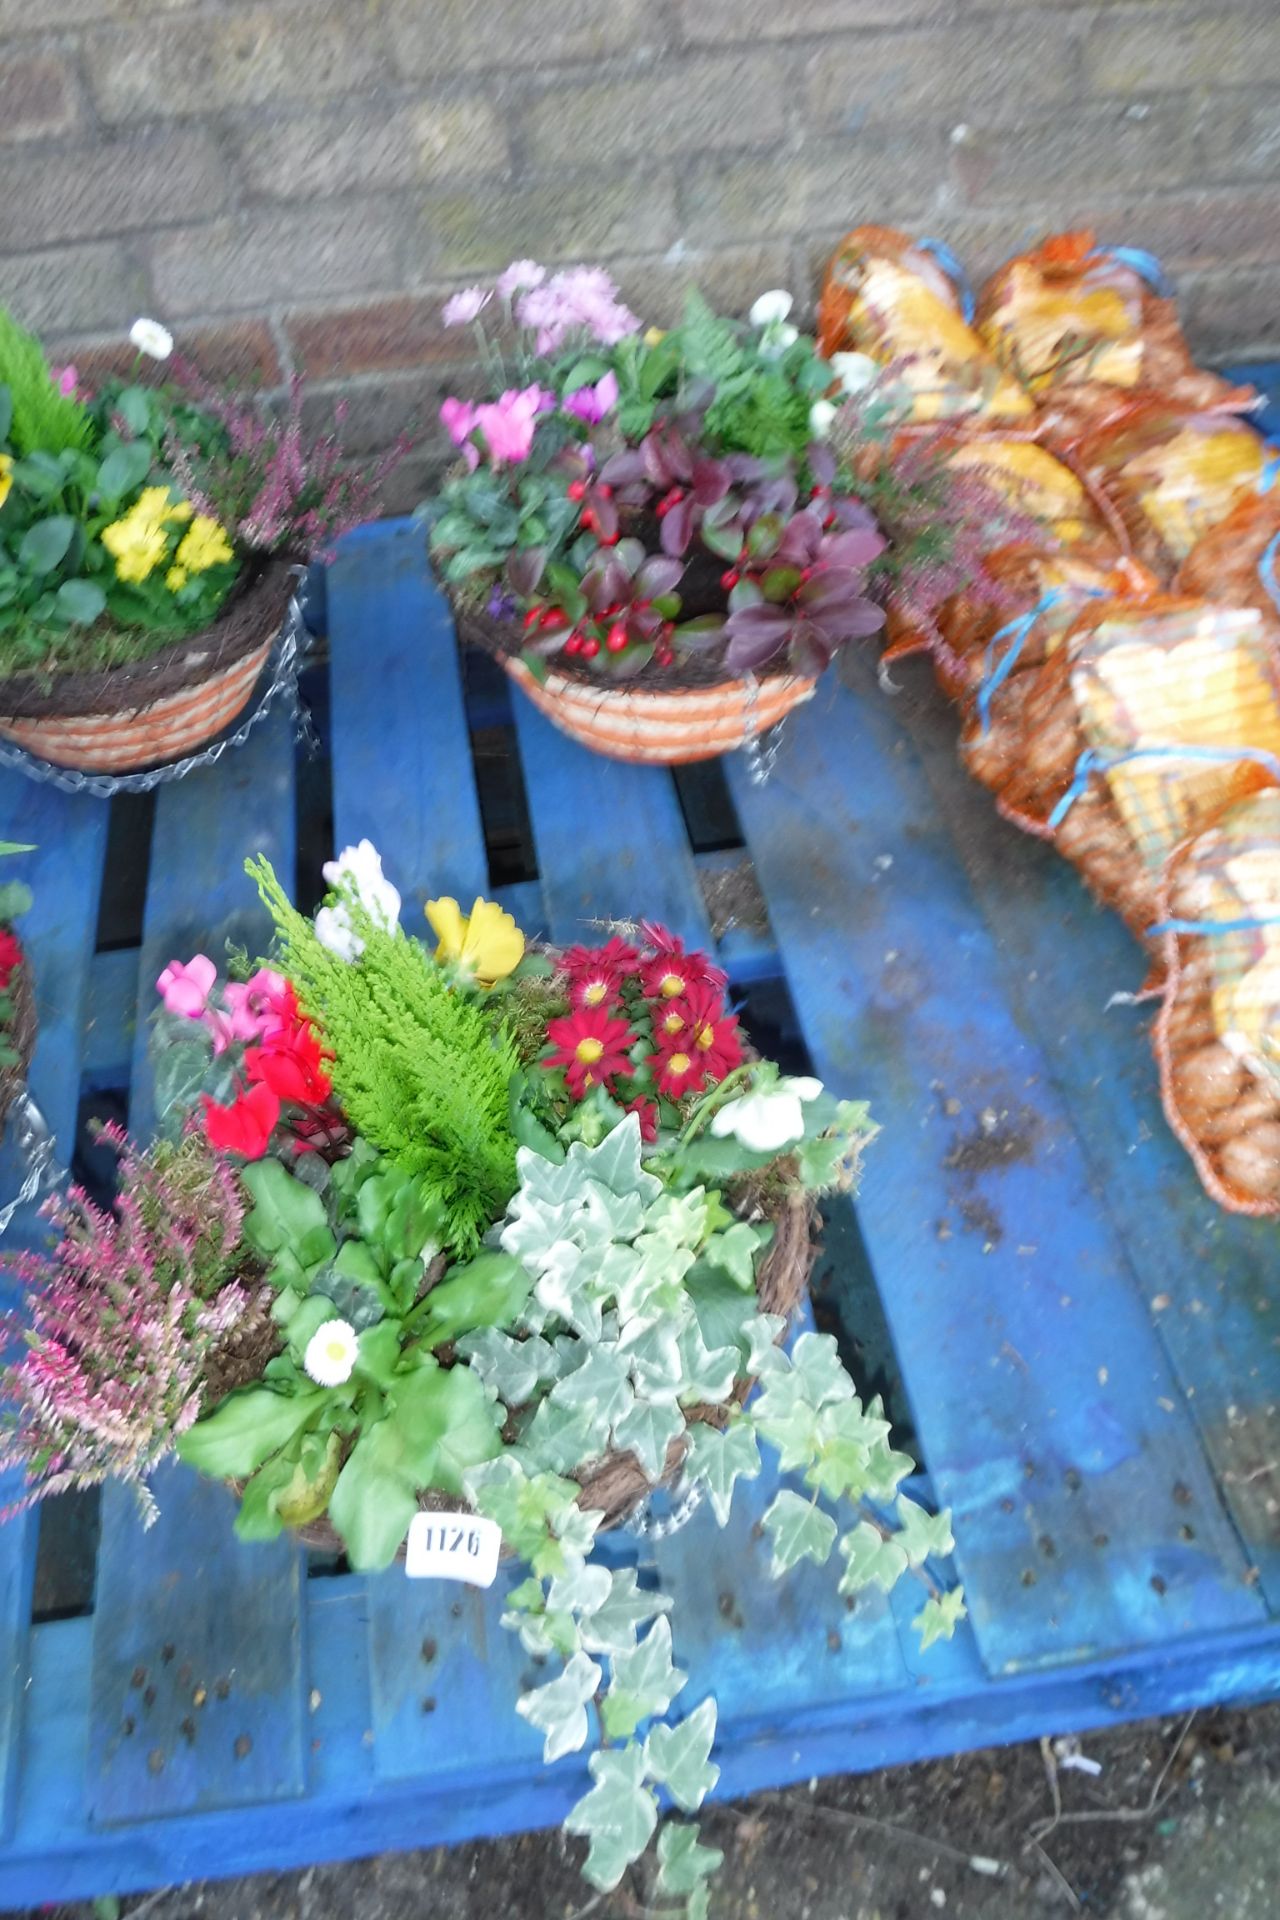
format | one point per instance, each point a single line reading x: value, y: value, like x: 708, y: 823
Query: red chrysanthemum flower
x: 670, y: 971
x: 671, y: 1022
x: 592, y: 1045
x: 648, y: 1117
x: 678, y: 1072
x: 596, y: 974
x: 706, y: 1030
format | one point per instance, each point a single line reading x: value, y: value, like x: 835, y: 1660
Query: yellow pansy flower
x: 6, y: 476
x: 176, y: 579
x: 204, y: 545
x: 485, y: 943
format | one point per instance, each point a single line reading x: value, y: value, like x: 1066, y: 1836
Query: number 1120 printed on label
x: 453, y: 1546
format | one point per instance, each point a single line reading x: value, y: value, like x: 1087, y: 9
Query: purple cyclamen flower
x: 466, y: 305
x: 521, y: 273
x: 591, y: 404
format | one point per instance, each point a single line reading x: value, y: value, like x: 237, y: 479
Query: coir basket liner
x: 147, y: 711
x: 656, y: 725
x: 21, y: 1036
x: 616, y: 1483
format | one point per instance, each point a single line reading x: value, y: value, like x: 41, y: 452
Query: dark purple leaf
x: 677, y: 528
x: 605, y: 509
x: 623, y: 467
x: 702, y: 635
x: 809, y: 650
x: 745, y: 467
x: 675, y: 449
x: 850, y: 512
x: 710, y: 482
x: 844, y: 618
x: 595, y: 586
x: 759, y: 620
x: 645, y: 622
x: 822, y: 464
x: 656, y: 469
x: 857, y: 548
x: 524, y: 570
x: 747, y: 651
x: 617, y: 581
x: 658, y: 575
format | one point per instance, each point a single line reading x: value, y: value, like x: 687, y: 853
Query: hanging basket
x: 148, y: 711
x: 615, y: 1484
x: 20, y: 1035
x: 668, y: 722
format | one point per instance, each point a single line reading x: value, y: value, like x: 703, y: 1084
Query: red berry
x: 574, y: 643
x: 577, y: 489
x: 533, y: 616
x: 663, y: 508
x: 605, y: 491
x: 829, y: 521
x: 730, y: 579
x: 618, y: 638
x: 609, y: 539
x: 590, y: 648
x: 553, y: 617
x: 588, y: 518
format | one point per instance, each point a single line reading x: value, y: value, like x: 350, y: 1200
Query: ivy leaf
x: 722, y: 1310
x: 870, y: 1560
x: 815, y: 1360
x: 885, y: 1468
x: 611, y: 1627
x: 683, y: 1865
x: 922, y: 1535
x: 515, y: 1369
x: 559, y: 1438
x: 559, y: 1710
x: 787, y: 1418
x: 653, y: 1356
x: 565, y: 1288
x: 601, y: 1385
x: 580, y: 1589
x: 617, y: 1816
x: 615, y: 1163
x: 705, y: 1375
x: 678, y: 1758
x: 716, y: 1460
x: 938, y: 1619
x: 734, y: 1252
x: 644, y: 1683
x: 647, y: 1431
x: 844, y: 1437
x: 525, y: 1506
x: 798, y: 1531
x: 762, y: 1333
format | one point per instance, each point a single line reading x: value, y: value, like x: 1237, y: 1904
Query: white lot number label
x: 453, y: 1546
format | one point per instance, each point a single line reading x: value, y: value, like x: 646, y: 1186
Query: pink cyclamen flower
x: 65, y: 379
x: 508, y: 423
x: 521, y: 273
x: 185, y: 989
x: 593, y: 403
x: 465, y: 306
x: 459, y: 418
x: 259, y: 1007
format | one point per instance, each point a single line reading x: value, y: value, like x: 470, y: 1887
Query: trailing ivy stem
x: 710, y: 1101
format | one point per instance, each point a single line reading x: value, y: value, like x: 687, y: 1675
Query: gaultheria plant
x: 120, y: 1319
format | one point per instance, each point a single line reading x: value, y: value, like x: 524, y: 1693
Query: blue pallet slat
x: 110, y: 1019
x: 1048, y: 1415
x: 214, y: 1626
x: 69, y: 835
x: 1265, y: 376
x: 1205, y: 1275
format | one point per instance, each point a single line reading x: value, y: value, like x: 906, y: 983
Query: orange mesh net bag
x: 1217, y: 1035
x: 904, y: 303
x: 1072, y: 314
x: 1238, y: 561
x: 1174, y: 476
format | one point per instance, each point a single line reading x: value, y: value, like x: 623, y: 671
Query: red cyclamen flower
x: 291, y: 1063
x: 244, y: 1127
x: 592, y: 1046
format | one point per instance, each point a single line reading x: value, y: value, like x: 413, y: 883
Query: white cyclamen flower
x: 331, y: 1353
x: 775, y: 340
x: 361, y: 866
x: 771, y: 1119
x: 149, y: 337
x: 855, y: 371
x: 335, y: 931
x: 821, y: 415
x: 771, y: 307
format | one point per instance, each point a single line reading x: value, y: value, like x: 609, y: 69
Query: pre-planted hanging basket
x: 661, y: 725
x: 145, y: 712
x: 19, y: 1035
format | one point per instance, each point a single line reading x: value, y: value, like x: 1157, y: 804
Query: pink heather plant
x: 121, y: 1318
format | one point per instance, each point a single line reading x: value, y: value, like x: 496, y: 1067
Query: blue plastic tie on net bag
x: 1093, y: 761
x: 1017, y: 632
x: 1145, y: 264
x: 1216, y: 926
x: 1270, y: 468
x: 952, y: 265
x: 1267, y: 570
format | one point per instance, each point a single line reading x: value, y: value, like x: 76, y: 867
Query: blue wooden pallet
x: 1087, y: 1349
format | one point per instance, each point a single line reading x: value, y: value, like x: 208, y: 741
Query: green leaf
x: 285, y: 1214
x: 843, y: 1438
x: 559, y: 1710
x: 798, y: 1531
x: 644, y: 1683
x: 79, y: 601
x: 489, y: 1291
x: 6, y: 412
x: 684, y: 1867
x: 939, y: 1618
x: 923, y: 1536
x: 705, y: 1374
x: 445, y: 1420
x: 717, y: 1460
x: 378, y: 1354
x: 307, y: 1319
x: 617, y: 1816
x: 373, y: 1500
x: 245, y: 1429
x: 678, y: 1758
x: 735, y: 1251
x: 287, y: 1491
x: 515, y: 1369
x: 124, y: 468
x: 721, y: 1308
x: 816, y: 1363
x: 45, y: 543
x: 870, y: 1560
x: 611, y: 1626
x: 602, y: 1384
x: 133, y: 404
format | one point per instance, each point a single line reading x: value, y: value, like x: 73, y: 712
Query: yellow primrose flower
x: 137, y: 546
x: 485, y: 943
x: 204, y: 545
x: 176, y: 579
x: 156, y: 506
x: 6, y: 476
x: 653, y: 335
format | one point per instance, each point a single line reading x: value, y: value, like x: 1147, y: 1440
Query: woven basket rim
x: 256, y: 604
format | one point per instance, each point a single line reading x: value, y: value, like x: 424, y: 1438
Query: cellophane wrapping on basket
x: 1218, y: 1031
x: 888, y: 297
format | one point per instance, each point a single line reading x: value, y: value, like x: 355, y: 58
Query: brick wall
x: 297, y: 183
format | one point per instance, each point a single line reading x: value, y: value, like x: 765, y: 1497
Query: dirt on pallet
x: 1173, y: 1819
